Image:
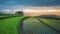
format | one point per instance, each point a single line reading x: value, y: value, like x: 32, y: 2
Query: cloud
x: 28, y: 4
x: 31, y: 2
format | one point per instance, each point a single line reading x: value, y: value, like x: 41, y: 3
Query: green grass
x: 9, y: 25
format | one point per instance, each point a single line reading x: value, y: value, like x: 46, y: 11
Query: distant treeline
x: 50, y: 16
x: 6, y: 14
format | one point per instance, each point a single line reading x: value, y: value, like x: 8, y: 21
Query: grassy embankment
x: 9, y: 25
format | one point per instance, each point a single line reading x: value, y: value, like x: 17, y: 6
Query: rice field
x: 32, y: 25
x: 41, y: 26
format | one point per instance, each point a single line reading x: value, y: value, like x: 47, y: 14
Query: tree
x: 19, y: 13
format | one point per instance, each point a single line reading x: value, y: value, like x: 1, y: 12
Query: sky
x: 10, y: 6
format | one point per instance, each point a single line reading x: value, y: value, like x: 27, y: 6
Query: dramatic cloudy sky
x: 12, y: 5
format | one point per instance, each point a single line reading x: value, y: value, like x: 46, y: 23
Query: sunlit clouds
x: 32, y: 11
x: 41, y: 11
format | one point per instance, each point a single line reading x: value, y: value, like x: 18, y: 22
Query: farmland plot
x: 34, y: 26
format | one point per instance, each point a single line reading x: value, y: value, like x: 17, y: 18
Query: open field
x: 32, y: 25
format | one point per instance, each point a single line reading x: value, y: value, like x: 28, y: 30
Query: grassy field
x: 9, y: 25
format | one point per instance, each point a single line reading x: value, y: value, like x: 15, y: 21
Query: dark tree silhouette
x: 50, y: 16
x: 21, y: 13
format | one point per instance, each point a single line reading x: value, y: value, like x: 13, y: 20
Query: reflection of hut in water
x: 19, y: 13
